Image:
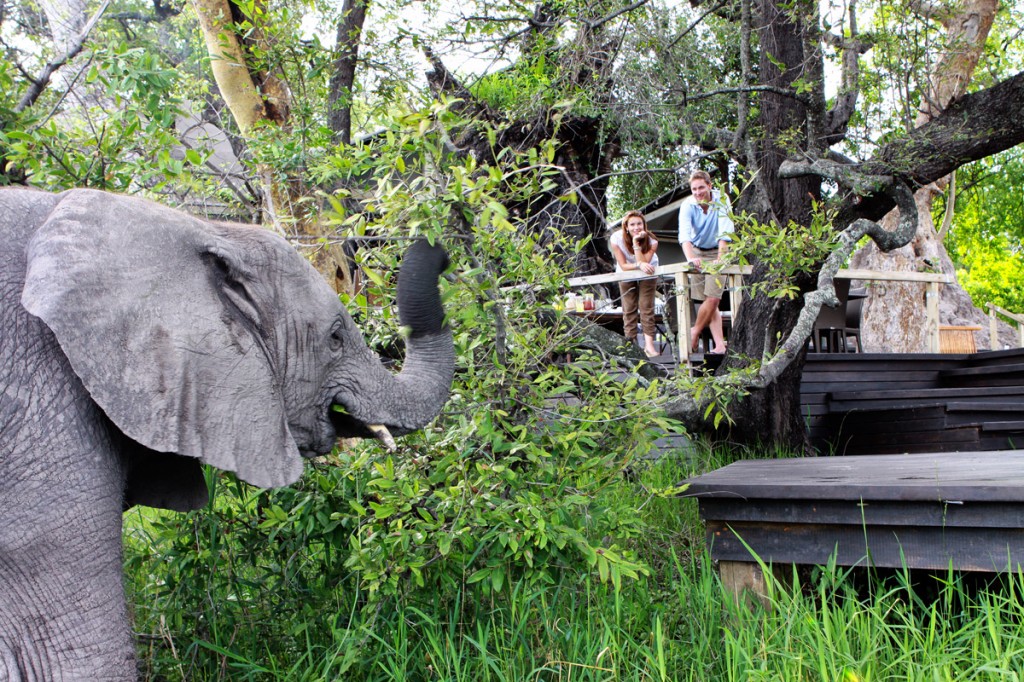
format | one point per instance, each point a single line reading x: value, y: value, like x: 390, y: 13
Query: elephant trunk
x: 385, y: 402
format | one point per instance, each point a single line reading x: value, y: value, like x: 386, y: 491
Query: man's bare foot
x: 718, y: 350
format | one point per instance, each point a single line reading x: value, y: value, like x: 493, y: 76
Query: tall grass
x: 678, y: 623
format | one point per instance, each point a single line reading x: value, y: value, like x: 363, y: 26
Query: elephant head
x: 139, y: 341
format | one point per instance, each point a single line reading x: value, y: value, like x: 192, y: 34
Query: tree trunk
x: 583, y: 152
x: 255, y: 96
x: 66, y: 18
x: 343, y: 77
x: 773, y: 414
x: 893, y: 313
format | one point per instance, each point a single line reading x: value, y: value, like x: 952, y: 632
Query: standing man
x: 705, y: 231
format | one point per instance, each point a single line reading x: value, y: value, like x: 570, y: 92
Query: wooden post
x: 746, y: 580
x: 993, y: 328
x: 931, y: 302
x: 736, y: 296
x: 683, y: 315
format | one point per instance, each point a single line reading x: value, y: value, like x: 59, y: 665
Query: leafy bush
x: 518, y: 483
x: 123, y: 141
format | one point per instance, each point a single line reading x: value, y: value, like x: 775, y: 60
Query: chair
x: 851, y: 332
x: 829, y: 335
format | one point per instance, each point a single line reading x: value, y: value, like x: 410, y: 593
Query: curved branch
x: 972, y: 127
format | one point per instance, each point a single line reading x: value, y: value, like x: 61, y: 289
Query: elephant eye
x: 336, y: 340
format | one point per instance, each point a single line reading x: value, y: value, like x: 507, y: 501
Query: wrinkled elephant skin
x: 137, y: 342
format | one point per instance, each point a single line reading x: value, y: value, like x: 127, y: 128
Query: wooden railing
x: 931, y: 296
x: 993, y: 332
x: 682, y: 271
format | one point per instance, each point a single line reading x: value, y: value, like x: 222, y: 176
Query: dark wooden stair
x: 886, y: 404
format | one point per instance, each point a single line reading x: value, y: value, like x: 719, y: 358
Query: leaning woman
x: 636, y: 249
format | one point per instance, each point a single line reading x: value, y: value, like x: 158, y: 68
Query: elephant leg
x: 62, y: 608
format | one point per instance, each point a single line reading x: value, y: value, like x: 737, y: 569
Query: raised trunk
x: 411, y: 399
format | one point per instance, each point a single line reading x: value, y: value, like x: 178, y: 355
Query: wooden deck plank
x: 841, y: 375
x: 869, y: 417
x: 876, y: 512
x: 825, y: 387
x: 914, y: 435
x: 962, y: 476
x: 992, y: 426
x: 933, y: 394
x: 986, y: 370
x: 968, y: 406
x: 967, y: 549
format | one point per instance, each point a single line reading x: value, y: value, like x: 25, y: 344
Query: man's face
x: 701, y: 190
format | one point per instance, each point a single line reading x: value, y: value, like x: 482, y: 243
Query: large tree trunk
x: 255, y: 96
x: 583, y: 152
x: 773, y: 414
x: 893, y: 314
x: 343, y: 76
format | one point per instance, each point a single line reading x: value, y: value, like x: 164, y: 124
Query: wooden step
x: 966, y: 406
x: 993, y: 427
x: 996, y: 357
x: 983, y: 371
x: 897, y: 399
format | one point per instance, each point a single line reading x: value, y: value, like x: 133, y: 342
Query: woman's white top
x: 619, y: 243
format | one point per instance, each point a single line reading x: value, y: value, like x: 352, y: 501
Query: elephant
x: 138, y: 342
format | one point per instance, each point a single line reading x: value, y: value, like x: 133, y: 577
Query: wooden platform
x: 932, y: 511
x: 898, y: 403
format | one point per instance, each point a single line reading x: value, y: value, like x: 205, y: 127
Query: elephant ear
x: 156, y: 314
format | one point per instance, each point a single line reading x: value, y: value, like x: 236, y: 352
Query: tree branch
x: 597, y: 23
x: 837, y: 120
x: 972, y: 127
x: 40, y: 82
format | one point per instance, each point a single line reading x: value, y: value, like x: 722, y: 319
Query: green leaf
x: 478, y: 576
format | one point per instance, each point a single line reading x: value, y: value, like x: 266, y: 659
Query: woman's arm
x: 643, y: 258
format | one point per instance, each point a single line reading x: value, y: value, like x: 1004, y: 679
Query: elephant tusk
x: 382, y: 434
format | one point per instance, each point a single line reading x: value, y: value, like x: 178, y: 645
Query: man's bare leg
x: 717, y: 332
x: 706, y: 314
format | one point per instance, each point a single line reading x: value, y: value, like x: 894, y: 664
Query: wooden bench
x: 930, y: 511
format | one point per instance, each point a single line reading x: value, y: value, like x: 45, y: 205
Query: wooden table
x: 964, y: 509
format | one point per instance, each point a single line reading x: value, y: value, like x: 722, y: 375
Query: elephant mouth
x: 347, y: 426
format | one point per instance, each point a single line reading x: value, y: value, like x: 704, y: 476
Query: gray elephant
x: 137, y: 342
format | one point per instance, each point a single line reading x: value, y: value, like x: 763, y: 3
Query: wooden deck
x: 962, y: 510
x: 898, y: 403
x: 933, y: 476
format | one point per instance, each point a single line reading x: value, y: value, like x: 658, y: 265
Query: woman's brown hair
x: 645, y: 243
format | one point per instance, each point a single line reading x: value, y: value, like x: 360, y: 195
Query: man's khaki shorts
x: 706, y: 286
